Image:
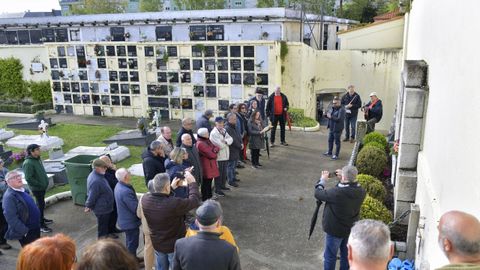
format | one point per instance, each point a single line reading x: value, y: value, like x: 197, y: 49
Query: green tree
x: 265, y: 3
x: 151, y: 5
x: 100, y: 7
x: 200, y: 4
x: 11, y: 79
x: 325, y: 7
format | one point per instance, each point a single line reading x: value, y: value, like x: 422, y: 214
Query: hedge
x: 371, y: 161
x: 373, y: 186
x: 11, y: 79
x: 375, y: 137
x: 374, y: 209
x: 40, y: 91
x: 22, y: 108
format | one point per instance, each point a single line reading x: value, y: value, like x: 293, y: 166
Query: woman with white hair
x: 208, y: 158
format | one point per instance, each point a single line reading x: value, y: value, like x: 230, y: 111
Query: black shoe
x: 284, y: 143
x: 259, y: 154
x: 240, y: 166
x: 236, y: 172
x: 225, y: 188
x: 259, y: 165
x: 5, y: 246
x: 220, y: 193
x: 233, y: 184
x: 236, y: 180
x: 47, y: 221
x: 1, y: 253
x: 345, y: 140
x: 45, y: 229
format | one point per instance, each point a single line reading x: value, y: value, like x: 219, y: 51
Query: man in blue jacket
x: 336, y: 117
x: 373, y: 112
x: 100, y: 197
x: 127, y: 203
x: 20, y: 211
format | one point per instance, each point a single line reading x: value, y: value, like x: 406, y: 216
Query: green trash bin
x: 78, y: 168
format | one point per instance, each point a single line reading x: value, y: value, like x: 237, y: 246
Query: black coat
x: 271, y: 106
x: 183, y: 131
x: 376, y: 111
x: 337, y: 119
x: 152, y: 165
x: 205, y: 251
x: 342, y: 207
x: 255, y: 137
x: 355, y: 101
x: 236, y: 146
x: 194, y: 160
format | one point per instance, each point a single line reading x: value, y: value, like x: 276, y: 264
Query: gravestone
x: 46, y: 143
x: 132, y: 137
x: 30, y: 123
x: 6, y: 134
x: 4, y: 155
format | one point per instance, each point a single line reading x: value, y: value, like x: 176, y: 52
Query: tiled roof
x: 387, y: 16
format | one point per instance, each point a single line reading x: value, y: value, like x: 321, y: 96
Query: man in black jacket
x: 336, y: 116
x: 352, y: 102
x: 193, y: 158
x: 342, y: 210
x: 234, y: 148
x: 187, y: 126
x: 277, y: 107
x: 206, y: 251
x: 373, y: 112
x: 153, y: 161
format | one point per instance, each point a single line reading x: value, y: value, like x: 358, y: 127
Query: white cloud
x: 9, y: 6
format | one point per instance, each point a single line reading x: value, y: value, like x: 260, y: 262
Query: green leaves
x: 99, y: 7
x: 151, y: 5
x: 200, y: 4
x: 11, y: 79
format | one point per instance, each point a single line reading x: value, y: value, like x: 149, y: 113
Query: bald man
x: 459, y: 239
x: 187, y: 126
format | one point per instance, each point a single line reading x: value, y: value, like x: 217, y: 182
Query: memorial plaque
x: 158, y: 102
x: 55, y: 75
x: 96, y: 99
x: 48, y: 34
x: 197, y: 51
x: 53, y: 63
x: 134, y: 76
x: 62, y: 62
x: 186, y: 77
x: 236, y: 64
x: 211, y: 91
x: 161, y: 77
x: 12, y: 37
x: 262, y: 79
x: 223, y: 105
x: 175, y: 103
x: 67, y: 98
x: 149, y: 51
x: 132, y: 63
x: 114, y: 89
x: 86, y: 99
x: 210, y: 64
x: 135, y: 89
x: 197, y: 64
x: 125, y: 101
x: 123, y: 76
x: 75, y: 87
x: 3, y: 37
x: 173, y: 77
x: 248, y: 51
x: 23, y: 37
x: 198, y: 91
x: 223, y: 78
x: 65, y: 87
x: 184, y: 64
x: 61, y: 51
x: 222, y: 51
x: 84, y: 87
x: 235, y: 51
x: 248, y: 78
x: 132, y: 50
x: 124, y: 88
x: 76, y: 99
x: 187, y: 104
x: 111, y: 51
x: 235, y: 78
x: 249, y: 65
x: 113, y: 75
x: 215, y: 32
x: 161, y: 64
x: 101, y: 63
x: 210, y: 78
x: 35, y: 37
x: 198, y: 32
x: 172, y: 51
x: 115, y: 100
x: 209, y: 51
x: 57, y: 87
x: 163, y: 33
x: 61, y: 35
x: 105, y: 100
x: 117, y: 33
x: 94, y: 87
x: 121, y: 51
x: 122, y: 63
x: 222, y: 64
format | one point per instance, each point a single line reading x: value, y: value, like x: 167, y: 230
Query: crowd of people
x: 182, y: 223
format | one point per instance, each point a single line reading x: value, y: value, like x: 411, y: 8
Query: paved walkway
x: 269, y: 214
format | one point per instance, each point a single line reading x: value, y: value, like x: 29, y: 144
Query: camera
x: 180, y: 175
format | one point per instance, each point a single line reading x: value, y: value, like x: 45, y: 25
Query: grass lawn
x: 75, y: 135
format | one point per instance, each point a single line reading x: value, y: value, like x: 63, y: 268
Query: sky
x: 10, y: 6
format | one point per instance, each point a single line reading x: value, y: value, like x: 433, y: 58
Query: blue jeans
x: 334, y: 136
x: 131, y: 240
x: 164, y: 260
x: 350, y: 122
x: 332, y: 244
x: 232, y: 165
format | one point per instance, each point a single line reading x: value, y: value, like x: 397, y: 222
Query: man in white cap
x: 373, y: 112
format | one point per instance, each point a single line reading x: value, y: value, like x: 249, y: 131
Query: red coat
x: 208, y: 157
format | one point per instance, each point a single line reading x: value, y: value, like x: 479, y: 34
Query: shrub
x: 283, y: 49
x: 11, y: 78
x: 375, y: 137
x: 373, y: 186
x: 371, y: 161
x: 306, y: 122
x: 375, y: 144
x: 40, y: 91
x: 374, y: 209
x: 296, y: 114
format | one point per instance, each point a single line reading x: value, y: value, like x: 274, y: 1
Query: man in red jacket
x: 165, y: 214
x: 277, y: 107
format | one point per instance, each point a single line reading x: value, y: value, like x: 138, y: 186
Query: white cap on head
x: 202, y: 132
x: 373, y: 94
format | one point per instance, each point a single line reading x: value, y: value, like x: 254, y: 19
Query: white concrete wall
x: 384, y: 35
x: 440, y: 32
x: 28, y: 54
x: 369, y: 71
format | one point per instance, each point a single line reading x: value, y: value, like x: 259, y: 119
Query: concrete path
x: 269, y: 214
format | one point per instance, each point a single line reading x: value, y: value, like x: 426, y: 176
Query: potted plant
x: 127, y: 35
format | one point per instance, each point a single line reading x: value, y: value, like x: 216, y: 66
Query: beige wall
x: 27, y: 54
x: 447, y: 177
x: 385, y: 35
x: 369, y: 71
